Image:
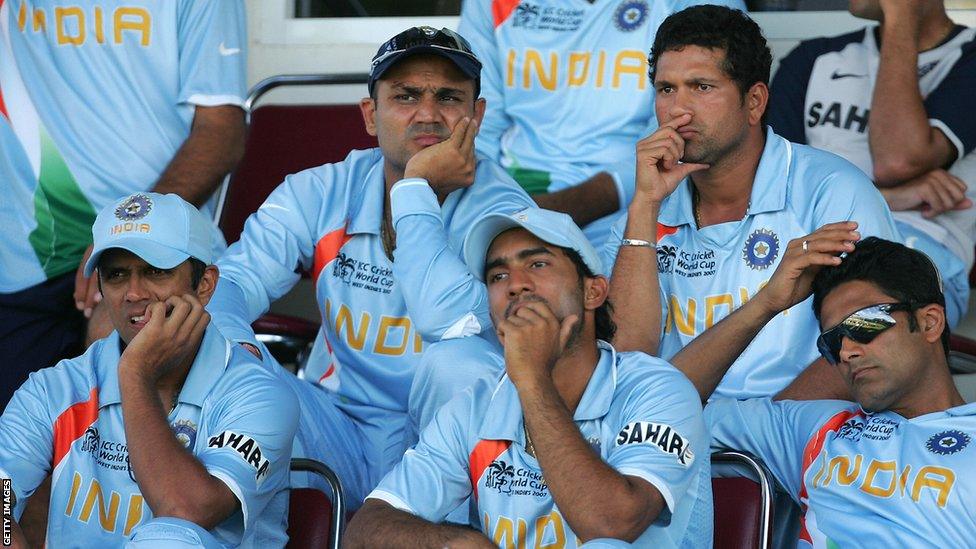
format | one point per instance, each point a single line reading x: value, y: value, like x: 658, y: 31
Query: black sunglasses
x: 861, y: 326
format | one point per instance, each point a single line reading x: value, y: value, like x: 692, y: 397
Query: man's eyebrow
x: 499, y: 261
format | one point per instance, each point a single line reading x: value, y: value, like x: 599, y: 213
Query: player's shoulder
x: 640, y: 373
x: 71, y: 380
x: 339, y: 177
x: 815, y: 172
x: 813, y: 48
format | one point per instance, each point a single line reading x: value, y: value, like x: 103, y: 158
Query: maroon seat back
x: 284, y: 139
x: 309, y: 519
x: 738, y: 512
x: 742, y: 494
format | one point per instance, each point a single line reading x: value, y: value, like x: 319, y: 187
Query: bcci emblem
x: 761, y: 249
x: 135, y: 207
x: 500, y: 476
x: 186, y: 433
x: 665, y: 258
x: 630, y: 15
x: 947, y: 442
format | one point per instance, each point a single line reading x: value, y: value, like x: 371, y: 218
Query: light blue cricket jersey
x: 95, y: 99
x: 67, y: 421
x: 375, y: 313
x: 567, y: 88
x: 862, y: 479
x: 705, y: 274
x: 639, y: 413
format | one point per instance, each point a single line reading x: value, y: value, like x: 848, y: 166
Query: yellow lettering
x: 880, y: 467
x: 22, y: 17
x: 823, y: 469
x: 542, y: 523
x: 684, y: 324
x: 40, y: 21
x: 99, y: 26
x: 713, y: 301
x: 576, y: 77
x: 60, y: 23
x: 75, y: 485
x: 926, y: 478
x: 846, y: 475
x: 903, y: 479
x: 138, y: 21
x: 418, y: 343
x: 625, y: 64
x: 510, y: 69
x: 601, y: 65
x: 106, y: 517
x: 386, y: 324
x: 134, y: 516
x: 356, y: 338
x: 743, y: 296
x: 534, y: 59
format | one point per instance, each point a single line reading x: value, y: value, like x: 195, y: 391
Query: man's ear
x: 932, y: 320
x: 367, y: 106
x: 479, y: 110
x: 757, y: 100
x: 208, y: 284
x: 595, y: 292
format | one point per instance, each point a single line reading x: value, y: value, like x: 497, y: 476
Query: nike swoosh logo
x: 839, y: 75
x: 225, y: 51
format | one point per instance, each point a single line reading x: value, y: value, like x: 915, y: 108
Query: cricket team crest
x: 135, y: 207
x: 761, y: 249
x: 186, y: 433
x: 947, y: 442
x: 631, y: 15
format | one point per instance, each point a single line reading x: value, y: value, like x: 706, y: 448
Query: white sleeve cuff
x: 951, y: 135
x: 412, y: 196
x: 391, y: 499
x: 468, y: 325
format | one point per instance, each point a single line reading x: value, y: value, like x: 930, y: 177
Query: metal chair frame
x: 767, y: 487
x: 338, y: 497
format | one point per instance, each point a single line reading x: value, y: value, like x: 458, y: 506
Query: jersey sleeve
x: 213, y: 52
x: 788, y: 92
x: 846, y: 194
x: 949, y: 106
x: 776, y: 432
x: 26, y: 440
x: 251, y: 428
x: 478, y: 27
x: 661, y: 437
x: 442, y: 296
x: 276, y: 244
x: 433, y: 477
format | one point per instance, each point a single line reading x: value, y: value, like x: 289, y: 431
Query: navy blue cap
x: 443, y: 42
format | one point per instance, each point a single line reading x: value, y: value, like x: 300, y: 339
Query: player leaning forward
x: 576, y: 443
x: 163, y: 431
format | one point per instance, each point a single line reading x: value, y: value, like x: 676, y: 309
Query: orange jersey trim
x: 810, y: 453
x: 664, y: 230
x: 326, y: 249
x: 501, y: 9
x: 481, y: 457
x: 72, y: 424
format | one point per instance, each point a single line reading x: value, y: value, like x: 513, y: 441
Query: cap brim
x: 153, y: 253
x: 479, y: 239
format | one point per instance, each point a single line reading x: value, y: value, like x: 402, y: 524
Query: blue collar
x: 503, y: 417
x: 769, y: 188
x: 207, y: 368
x: 366, y: 201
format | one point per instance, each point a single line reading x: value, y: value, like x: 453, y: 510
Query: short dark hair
x: 605, y: 328
x: 747, y: 57
x: 907, y: 275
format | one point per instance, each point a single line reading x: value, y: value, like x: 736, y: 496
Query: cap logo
x: 135, y: 207
x: 429, y: 31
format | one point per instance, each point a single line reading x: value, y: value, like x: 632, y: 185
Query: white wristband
x: 637, y: 242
